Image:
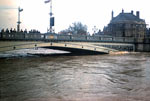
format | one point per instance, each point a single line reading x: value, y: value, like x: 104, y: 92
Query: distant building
x: 126, y: 25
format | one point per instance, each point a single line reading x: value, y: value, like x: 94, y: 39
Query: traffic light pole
x: 51, y: 14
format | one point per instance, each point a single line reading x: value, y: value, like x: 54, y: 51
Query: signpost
x: 19, y: 22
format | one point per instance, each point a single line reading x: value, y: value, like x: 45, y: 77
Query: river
x: 119, y: 77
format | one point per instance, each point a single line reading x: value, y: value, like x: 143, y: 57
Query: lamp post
x: 95, y: 30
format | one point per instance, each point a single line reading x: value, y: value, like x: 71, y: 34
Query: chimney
x: 138, y: 14
x: 132, y: 12
x: 112, y: 14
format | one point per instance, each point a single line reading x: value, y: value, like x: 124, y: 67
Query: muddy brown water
x: 124, y: 77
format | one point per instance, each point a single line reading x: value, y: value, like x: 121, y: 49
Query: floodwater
x: 124, y: 77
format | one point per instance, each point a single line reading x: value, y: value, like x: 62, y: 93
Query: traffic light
x: 52, y: 21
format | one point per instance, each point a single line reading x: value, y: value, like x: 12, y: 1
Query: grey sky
x: 90, y: 12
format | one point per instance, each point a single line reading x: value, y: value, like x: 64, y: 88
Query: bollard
x: 51, y: 44
x: 36, y: 48
x: 14, y: 47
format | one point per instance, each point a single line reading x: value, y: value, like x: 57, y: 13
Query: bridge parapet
x: 57, y: 37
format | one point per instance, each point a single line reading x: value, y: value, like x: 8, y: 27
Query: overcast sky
x: 90, y: 12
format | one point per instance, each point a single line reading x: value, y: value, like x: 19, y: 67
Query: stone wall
x: 142, y: 47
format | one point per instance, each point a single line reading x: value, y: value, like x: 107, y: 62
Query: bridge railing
x: 58, y: 37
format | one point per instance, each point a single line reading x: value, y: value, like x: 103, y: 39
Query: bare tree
x: 76, y: 28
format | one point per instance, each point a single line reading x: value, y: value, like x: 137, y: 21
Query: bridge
x: 73, y: 47
x: 73, y: 43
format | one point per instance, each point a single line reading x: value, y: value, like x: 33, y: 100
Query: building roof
x: 127, y: 18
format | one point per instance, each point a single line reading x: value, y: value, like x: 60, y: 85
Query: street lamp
x: 95, y: 30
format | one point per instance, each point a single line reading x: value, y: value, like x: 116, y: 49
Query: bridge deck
x: 13, y: 45
x: 90, y: 46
